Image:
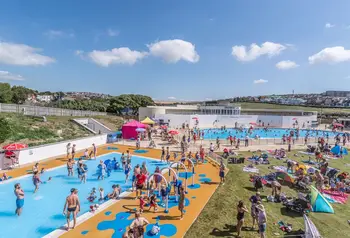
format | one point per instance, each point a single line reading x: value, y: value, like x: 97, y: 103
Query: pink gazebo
x: 129, y: 129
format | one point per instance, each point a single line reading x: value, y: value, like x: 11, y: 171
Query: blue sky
x: 189, y: 50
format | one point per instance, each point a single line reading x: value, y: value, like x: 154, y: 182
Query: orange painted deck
x: 197, y: 197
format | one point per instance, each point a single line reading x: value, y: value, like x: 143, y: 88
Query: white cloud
x: 5, y: 75
x: 260, y: 81
x: 171, y: 98
x: 330, y: 55
x: 172, y: 51
x: 53, y: 34
x: 286, y: 64
x: 112, y: 32
x: 347, y: 77
x: 20, y: 54
x: 268, y: 48
x: 329, y: 25
x: 121, y: 55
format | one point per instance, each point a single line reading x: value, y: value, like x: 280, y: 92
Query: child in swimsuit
x: 92, y: 196
x: 153, y: 203
x: 142, y: 203
x: 127, y: 171
x: 102, y: 197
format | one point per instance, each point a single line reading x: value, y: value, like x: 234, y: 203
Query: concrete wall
x: 206, y: 121
x: 38, y: 153
x: 46, y: 111
x: 98, y: 127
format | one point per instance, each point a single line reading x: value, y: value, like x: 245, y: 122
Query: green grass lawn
x: 218, y: 219
x: 247, y: 105
x: 34, y: 131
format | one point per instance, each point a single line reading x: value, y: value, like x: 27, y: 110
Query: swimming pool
x: 42, y: 211
x: 270, y: 133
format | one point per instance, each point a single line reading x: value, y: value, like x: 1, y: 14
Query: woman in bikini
x: 241, y: 209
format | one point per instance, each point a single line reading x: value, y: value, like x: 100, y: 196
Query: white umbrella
x: 140, y: 129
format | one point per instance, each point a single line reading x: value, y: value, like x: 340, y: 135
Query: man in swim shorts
x: 73, y: 206
x: 20, y: 199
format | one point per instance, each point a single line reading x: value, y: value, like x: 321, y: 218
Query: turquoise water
x: 42, y: 211
x: 270, y: 133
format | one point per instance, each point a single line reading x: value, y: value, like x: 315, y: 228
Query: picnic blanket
x: 250, y: 170
x: 337, y: 196
x: 280, y: 168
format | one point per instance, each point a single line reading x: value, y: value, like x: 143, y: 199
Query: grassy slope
x: 219, y: 216
x: 286, y: 107
x: 33, y: 131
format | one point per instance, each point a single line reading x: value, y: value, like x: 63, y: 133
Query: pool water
x: 270, y: 133
x: 43, y: 211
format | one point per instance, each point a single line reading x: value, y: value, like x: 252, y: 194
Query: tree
x: 20, y: 94
x: 5, y: 129
x: 5, y: 93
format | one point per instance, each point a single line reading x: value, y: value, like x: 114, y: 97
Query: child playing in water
x: 102, y: 197
x: 92, y: 195
x: 153, y: 203
x: 143, y: 200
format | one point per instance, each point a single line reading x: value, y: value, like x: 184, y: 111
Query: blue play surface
x: 214, y: 133
x: 42, y: 212
x: 124, y: 219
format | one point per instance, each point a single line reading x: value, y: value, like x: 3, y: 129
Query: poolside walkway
x: 113, y: 220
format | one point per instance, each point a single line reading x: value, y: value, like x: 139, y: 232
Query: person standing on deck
x: 94, y: 150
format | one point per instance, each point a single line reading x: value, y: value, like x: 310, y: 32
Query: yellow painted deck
x: 197, y: 197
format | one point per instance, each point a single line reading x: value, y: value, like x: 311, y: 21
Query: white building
x: 206, y: 116
x: 44, y: 98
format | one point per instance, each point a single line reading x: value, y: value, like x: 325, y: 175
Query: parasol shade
x: 140, y: 129
x: 15, y: 146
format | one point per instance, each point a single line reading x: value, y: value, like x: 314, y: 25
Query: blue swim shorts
x: 19, y: 203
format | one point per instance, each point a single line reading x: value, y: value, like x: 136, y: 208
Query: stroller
x: 300, y: 205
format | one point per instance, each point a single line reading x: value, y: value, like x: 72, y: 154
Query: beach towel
x: 280, y: 168
x: 250, y: 170
x: 337, y: 196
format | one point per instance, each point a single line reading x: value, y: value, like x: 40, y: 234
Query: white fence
x: 46, y: 111
x: 37, y: 153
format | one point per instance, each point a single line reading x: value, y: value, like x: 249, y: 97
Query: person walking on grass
x: 253, y: 210
x: 241, y: 209
x: 222, y: 173
x: 262, y: 219
x: 72, y: 205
